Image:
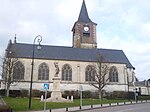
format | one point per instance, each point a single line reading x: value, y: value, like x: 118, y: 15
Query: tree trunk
x: 100, y: 95
x: 148, y: 91
x: 7, y: 90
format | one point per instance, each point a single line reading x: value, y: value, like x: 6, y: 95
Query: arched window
x: 66, y: 73
x: 90, y: 73
x: 18, y: 71
x: 113, y: 74
x: 43, y: 73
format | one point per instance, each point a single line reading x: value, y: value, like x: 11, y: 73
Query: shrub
x: 120, y: 95
x: 94, y: 95
x: 65, y: 94
x: 43, y: 93
x: 70, y: 93
x: 86, y: 94
x: 15, y: 93
x: 144, y: 97
x: 76, y: 94
x: 131, y: 95
x: 38, y: 93
x: 2, y: 92
x: 35, y: 93
x: 12, y: 93
x: 24, y: 93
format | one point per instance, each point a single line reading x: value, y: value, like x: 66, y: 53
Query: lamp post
x: 81, y: 89
x: 39, y: 39
x: 134, y: 86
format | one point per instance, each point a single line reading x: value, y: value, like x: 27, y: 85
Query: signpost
x: 45, y: 87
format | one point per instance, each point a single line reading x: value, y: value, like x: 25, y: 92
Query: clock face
x: 86, y: 28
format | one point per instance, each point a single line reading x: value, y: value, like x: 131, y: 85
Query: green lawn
x: 21, y: 104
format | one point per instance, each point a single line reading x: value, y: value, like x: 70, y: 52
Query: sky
x: 121, y: 24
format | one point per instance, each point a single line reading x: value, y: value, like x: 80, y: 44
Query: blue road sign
x: 46, y: 86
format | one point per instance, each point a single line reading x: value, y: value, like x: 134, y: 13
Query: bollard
x: 72, y: 98
x: 91, y: 106
x: 136, y: 101
x: 124, y: 103
x: 11, y: 110
x: 67, y: 109
x: 101, y: 104
x: 117, y: 103
x: 80, y: 107
x: 131, y: 102
x: 50, y: 110
x: 110, y: 104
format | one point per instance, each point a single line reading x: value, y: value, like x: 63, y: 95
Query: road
x: 145, y: 107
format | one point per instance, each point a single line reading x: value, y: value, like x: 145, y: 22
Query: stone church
x: 75, y: 63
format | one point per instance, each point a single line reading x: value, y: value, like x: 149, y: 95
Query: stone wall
x: 78, y: 75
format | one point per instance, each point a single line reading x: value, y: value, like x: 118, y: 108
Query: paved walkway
x: 3, y: 106
x: 2, y: 103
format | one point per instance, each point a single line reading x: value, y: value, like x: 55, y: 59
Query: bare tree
x: 8, y: 64
x: 100, y: 77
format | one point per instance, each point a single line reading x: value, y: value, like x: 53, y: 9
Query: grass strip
x: 21, y: 104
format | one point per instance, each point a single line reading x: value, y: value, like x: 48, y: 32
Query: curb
x: 96, y: 106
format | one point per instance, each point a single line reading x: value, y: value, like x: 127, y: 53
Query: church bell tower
x: 84, y: 30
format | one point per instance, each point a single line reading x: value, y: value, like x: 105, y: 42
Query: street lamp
x: 81, y: 89
x: 39, y: 39
x: 135, y: 94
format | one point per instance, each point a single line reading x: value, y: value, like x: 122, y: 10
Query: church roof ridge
x: 71, y: 47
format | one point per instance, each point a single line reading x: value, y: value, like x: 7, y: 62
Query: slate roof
x: 140, y: 83
x: 68, y: 53
x: 83, y: 16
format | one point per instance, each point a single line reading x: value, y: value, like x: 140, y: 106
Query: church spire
x: 84, y: 30
x: 83, y: 16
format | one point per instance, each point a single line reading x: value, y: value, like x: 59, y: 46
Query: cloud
x: 145, y: 30
x: 136, y: 51
x: 122, y: 24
